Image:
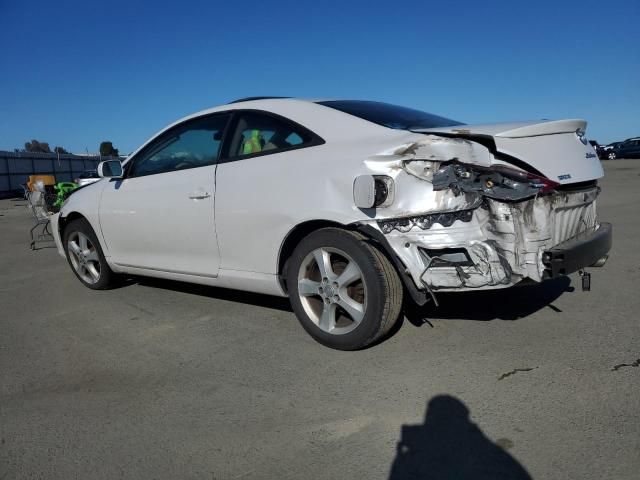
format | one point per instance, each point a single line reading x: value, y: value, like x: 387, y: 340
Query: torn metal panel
x: 485, y: 267
x: 412, y: 167
x: 422, y: 158
x: 557, y: 149
x: 413, y: 197
x: 497, y: 220
x: 503, y: 241
x: 442, y: 149
x: 489, y: 268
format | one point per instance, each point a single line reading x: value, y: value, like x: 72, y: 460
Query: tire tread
x: 388, y: 278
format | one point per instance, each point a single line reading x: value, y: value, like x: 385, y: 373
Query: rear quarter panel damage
x: 504, y: 239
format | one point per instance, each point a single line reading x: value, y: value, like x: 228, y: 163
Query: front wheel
x: 611, y: 155
x: 85, y: 256
x: 344, y: 291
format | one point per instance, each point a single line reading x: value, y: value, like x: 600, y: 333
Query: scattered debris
x: 514, y: 371
x: 619, y: 366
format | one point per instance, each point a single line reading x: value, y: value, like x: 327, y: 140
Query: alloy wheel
x: 332, y: 290
x: 84, y: 257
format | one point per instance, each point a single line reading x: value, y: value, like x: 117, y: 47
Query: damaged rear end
x: 481, y: 207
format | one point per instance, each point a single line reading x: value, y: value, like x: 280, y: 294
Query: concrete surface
x: 171, y: 381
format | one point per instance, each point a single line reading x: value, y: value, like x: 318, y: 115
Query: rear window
x: 388, y: 115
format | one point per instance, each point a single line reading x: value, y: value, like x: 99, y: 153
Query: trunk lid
x: 552, y: 147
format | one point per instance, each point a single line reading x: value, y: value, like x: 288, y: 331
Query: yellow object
x: 47, y: 180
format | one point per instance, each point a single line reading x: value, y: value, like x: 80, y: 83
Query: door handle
x: 199, y: 195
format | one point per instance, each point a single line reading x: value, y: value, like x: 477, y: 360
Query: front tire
x: 85, y: 256
x: 344, y: 291
x: 611, y: 155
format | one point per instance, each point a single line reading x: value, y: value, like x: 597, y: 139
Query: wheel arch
x: 293, y: 238
x: 297, y: 233
x: 70, y: 217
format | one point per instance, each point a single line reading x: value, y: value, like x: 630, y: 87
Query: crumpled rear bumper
x: 578, y: 252
x: 500, y: 243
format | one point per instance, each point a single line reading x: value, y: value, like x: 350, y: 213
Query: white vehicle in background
x: 87, y: 177
x: 343, y: 206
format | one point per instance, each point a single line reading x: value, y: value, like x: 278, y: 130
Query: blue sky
x: 76, y: 73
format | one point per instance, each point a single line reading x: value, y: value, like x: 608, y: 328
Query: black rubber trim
x: 249, y: 99
x: 581, y: 251
x: 577, y: 187
x: 418, y: 296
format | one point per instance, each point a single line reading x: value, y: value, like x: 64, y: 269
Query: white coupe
x: 344, y: 206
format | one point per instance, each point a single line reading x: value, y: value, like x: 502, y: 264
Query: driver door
x: 161, y: 215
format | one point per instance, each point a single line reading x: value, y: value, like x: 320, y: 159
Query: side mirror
x: 110, y: 169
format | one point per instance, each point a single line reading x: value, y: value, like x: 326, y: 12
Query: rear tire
x: 85, y: 256
x: 344, y: 291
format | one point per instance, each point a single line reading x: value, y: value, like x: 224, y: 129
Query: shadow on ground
x: 257, y: 299
x: 504, y: 304
x: 449, y: 446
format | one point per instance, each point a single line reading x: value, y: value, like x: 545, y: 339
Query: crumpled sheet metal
x: 504, y: 239
x: 412, y: 167
x: 490, y: 269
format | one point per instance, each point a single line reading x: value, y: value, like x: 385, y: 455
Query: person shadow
x: 449, y: 446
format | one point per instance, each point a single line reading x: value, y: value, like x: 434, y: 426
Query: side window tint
x: 258, y: 133
x: 294, y: 139
x: 193, y: 144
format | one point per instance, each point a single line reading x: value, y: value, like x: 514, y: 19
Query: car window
x: 388, y: 115
x: 258, y: 133
x: 193, y: 144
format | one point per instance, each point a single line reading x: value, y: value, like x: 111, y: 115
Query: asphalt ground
x: 162, y: 380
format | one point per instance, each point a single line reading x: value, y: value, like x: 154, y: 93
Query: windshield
x: 388, y: 115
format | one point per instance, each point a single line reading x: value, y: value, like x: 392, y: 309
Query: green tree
x: 37, y: 147
x: 107, y: 150
x: 59, y: 150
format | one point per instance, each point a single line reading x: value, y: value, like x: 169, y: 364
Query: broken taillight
x: 537, y: 181
x: 499, y: 182
x: 546, y: 185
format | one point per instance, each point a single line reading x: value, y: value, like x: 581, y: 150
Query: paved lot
x: 172, y: 381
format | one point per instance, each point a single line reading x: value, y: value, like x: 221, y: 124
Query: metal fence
x: 15, y: 168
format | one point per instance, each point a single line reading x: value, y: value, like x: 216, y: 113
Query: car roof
x: 322, y: 120
x: 328, y: 123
